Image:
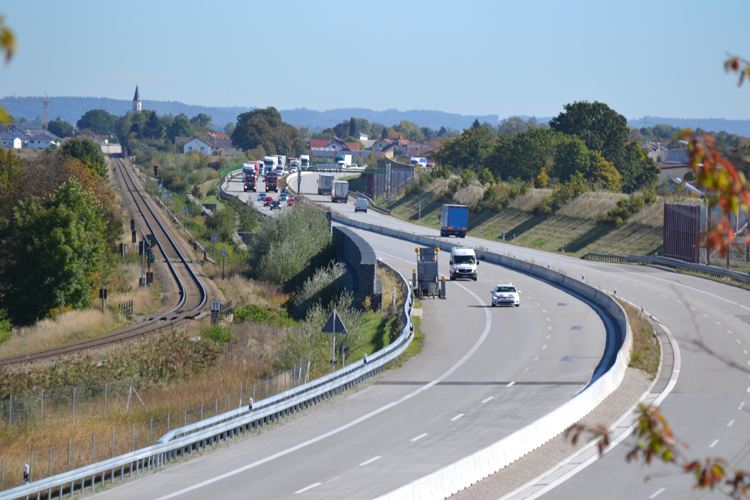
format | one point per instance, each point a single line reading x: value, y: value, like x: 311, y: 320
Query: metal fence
x: 50, y: 476
x: 47, y: 408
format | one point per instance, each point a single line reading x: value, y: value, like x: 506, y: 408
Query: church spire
x: 136, y: 100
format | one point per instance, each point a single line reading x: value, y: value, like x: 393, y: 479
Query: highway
x: 484, y: 373
x: 708, y: 408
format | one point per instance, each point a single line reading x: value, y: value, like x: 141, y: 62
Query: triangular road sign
x: 334, y: 324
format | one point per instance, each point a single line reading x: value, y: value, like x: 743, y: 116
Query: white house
x: 198, y: 145
x: 11, y: 141
x: 42, y: 141
x: 363, y: 137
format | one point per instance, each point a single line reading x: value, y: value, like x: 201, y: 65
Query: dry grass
x: 470, y: 195
x: 72, y: 326
x: 645, y: 354
x: 243, y: 291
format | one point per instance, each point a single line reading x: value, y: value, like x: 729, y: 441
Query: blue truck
x: 454, y: 220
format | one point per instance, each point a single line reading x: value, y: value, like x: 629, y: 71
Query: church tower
x: 136, y: 100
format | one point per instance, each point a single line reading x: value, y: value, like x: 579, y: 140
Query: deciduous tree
x: 60, y: 128
x: 99, y: 121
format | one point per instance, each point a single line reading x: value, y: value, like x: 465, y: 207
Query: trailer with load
x: 270, y: 163
x: 426, y: 278
x: 325, y: 183
x: 454, y: 220
x: 340, y: 191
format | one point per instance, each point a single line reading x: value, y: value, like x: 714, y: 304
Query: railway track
x: 193, y: 296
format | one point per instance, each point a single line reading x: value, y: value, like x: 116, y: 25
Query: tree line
x: 59, y: 229
x: 586, y: 139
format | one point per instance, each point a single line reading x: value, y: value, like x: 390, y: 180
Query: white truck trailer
x: 269, y: 164
x: 340, y: 192
x: 344, y: 161
x: 325, y: 183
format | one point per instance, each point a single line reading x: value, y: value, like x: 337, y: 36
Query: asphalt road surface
x: 708, y: 408
x: 484, y: 373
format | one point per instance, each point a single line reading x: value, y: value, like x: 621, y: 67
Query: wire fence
x: 47, y: 409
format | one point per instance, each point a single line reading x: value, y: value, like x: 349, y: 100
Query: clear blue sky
x: 471, y: 57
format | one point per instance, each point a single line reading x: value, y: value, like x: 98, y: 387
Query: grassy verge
x: 644, y: 355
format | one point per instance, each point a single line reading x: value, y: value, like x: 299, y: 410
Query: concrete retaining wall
x: 361, y: 260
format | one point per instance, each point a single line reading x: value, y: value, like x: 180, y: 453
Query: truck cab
x: 463, y: 263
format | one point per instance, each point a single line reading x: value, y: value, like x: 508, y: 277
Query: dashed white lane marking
x: 544, y: 310
x: 511, y: 385
x: 548, y: 336
x: 717, y: 323
x: 679, y: 302
x: 544, y: 346
x: 485, y: 400
x: 693, y: 308
x: 663, y: 295
x: 716, y: 441
x: 536, y: 358
x: 729, y: 332
x: 706, y: 315
x: 526, y: 370
x: 537, y: 303
x: 738, y: 341
x: 650, y: 290
x: 549, y: 328
x: 731, y: 423
x: 548, y: 319
x: 369, y: 461
x: 742, y: 405
x: 635, y: 285
x: 423, y: 435
x: 658, y: 492
x: 335, y: 478
x: 457, y: 417
x: 748, y: 389
x: 306, y: 488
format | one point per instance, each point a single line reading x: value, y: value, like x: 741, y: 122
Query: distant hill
x: 71, y: 109
x: 738, y: 127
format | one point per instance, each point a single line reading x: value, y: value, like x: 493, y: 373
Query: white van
x: 360, y: 205
x: 463, y: 263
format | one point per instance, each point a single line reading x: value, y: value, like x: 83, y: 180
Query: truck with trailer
x: 454, y: 221
x: 325, y: 183
x: 272, y: 182
x: 343, y: 161
x: 270, y: 163
x: 304, y: 162
x: 281, y: 161
x: 340, y: 191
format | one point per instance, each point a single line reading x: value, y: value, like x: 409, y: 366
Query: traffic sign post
x: 185, y: 212
x: 334, y: 325
x: 213, y: 240
x: 223, y: 258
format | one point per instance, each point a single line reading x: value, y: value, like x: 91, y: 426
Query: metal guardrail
x: 185, y: 440
x: 713, y: 272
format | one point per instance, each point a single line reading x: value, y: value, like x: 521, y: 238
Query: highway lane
x: 497, y: 369
x: 706, y: 407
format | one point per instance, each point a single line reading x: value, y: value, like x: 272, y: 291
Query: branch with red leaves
x: 735, y: 64
x: 654, y: 441
x: 726, y: 188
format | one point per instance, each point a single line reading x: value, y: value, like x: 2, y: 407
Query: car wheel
x: 518, y: 305
x: 493, y: 304
x: 475, y: 278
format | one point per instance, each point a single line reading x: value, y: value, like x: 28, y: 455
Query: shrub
x: 5, y: 327
x: 218, y: 334
x: 622, y: 212
x: 561, y: 194
x: 467, y: 177
x: 319, y: 288
x: 251, y: 311
x: 500, y: 196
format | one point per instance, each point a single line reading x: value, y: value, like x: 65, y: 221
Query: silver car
x: 505, y: 295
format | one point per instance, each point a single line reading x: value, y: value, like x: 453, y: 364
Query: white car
x: 505, y: 295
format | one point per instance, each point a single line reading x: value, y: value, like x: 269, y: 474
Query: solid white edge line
x: 677, y: 363
x: 449, y: 372
x: 307, y: 488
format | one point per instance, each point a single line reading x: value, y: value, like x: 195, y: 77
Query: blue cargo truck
x: 454, y: 220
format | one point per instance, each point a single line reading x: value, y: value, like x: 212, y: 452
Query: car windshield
x: 464, y: 259
x: 505, y: 288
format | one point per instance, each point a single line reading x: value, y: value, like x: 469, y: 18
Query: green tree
x: 88, y: 152
x: 571, y: 158
x: 410, y: 131
x: 202, y: 122
x: 60, y: 128
x: 264, y: 127
x: 597, y: 125
x: 59, y: 253
x: 222, y: 223
x: 604, y: 172
x: 180, y: 127
x: 99, y: 121
x: 12, y: 171
x: 522, y: 156
x: 542, y: 179
x: 468, y: 150
x: 637, y: 168
x: 153, y: 129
